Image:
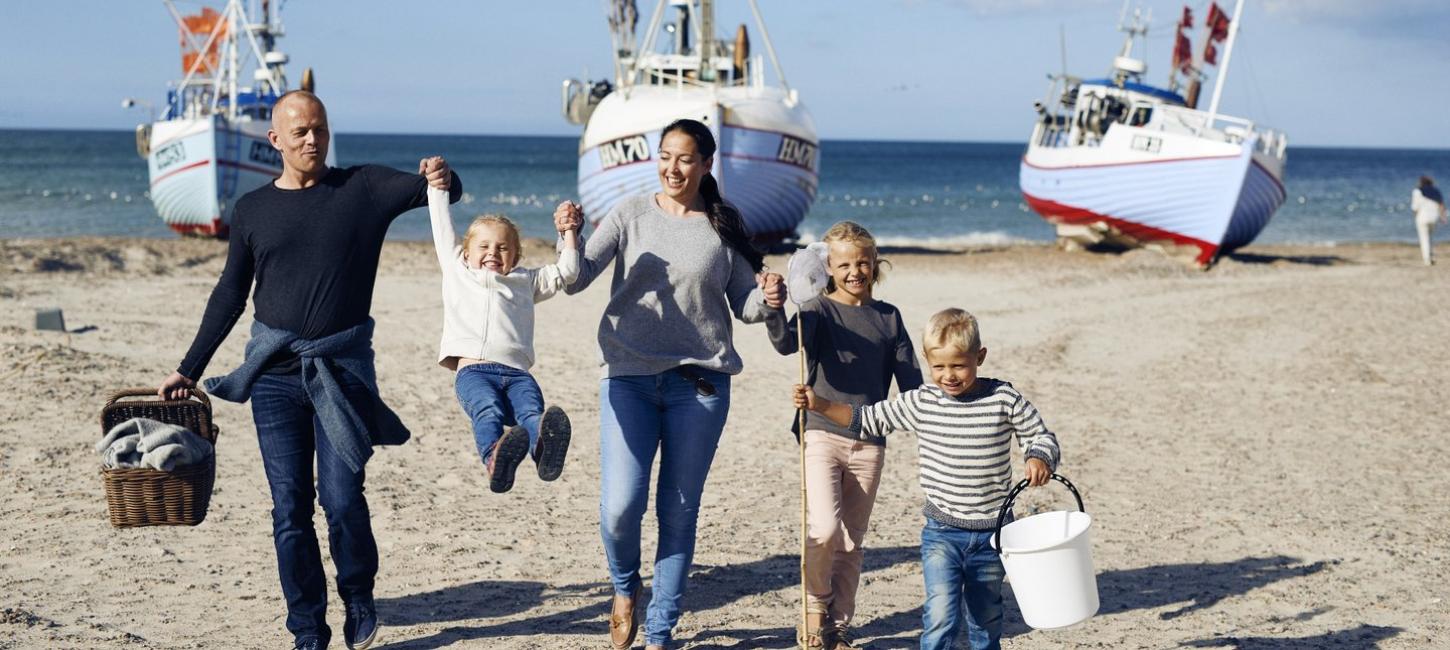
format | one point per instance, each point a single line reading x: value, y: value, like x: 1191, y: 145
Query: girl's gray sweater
x: 675, y: 287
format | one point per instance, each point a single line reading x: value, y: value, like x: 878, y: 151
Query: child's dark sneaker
x: 554, y: 433
x: 508, y: 452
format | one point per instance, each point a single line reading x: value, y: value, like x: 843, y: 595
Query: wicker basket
x: 151, y: 497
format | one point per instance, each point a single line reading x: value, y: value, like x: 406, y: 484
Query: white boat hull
x: 767, y: 164
x: 1207, y: 198
x: 199, y: 167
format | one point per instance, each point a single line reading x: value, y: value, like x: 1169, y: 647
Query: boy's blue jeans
x: 494, y: 396
x: 290, y: 437
x: 637, y: 416
x: 963, y: 586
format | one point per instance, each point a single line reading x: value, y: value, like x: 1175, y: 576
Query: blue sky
x: 1329, y: 72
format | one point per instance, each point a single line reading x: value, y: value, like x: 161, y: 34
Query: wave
x: 972, y: 239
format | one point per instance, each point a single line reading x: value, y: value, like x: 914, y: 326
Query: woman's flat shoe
x: 623, y: 625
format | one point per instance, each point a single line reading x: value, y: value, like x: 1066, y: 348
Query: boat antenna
x: 1233, y: 31
x: 706, y: 39
x: 1062, y: 46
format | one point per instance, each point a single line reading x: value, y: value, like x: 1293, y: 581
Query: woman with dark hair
x: 1428, y: 204
x: 684, y: 267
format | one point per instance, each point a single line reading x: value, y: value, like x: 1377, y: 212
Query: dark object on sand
x: 49, y: 319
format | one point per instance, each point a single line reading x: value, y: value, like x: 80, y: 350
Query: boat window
x: 1141, y: 115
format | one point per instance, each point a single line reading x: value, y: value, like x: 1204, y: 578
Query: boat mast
x: 706, y: 40
x: 769, y: 48
x: 645, y: 48
x: 234, y: 23
x: 1233, y: 31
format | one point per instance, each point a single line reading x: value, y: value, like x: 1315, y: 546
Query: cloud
x: 1341, y: 10
x: 1406, y: 19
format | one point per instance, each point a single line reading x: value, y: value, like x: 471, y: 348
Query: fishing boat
x: 767, y: 161
x: 210, y: 145
x: 1117, y: 162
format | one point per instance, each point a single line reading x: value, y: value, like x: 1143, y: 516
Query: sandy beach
x: 1259, y: 445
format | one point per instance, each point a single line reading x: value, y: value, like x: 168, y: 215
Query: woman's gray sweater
x: 675, y: 288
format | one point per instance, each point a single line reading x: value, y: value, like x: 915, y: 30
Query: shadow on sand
x: 1364, y: 636
x: 711, y: 587
x: 1309, y: 260
x: 1195, y: 587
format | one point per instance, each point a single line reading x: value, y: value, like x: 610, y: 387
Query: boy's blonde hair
x: 953, y: 328
x: 855, y: 233
x: 491, y: 219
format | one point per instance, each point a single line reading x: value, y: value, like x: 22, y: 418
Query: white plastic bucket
x: 1048, y: 558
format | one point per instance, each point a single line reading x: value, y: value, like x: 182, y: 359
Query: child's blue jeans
x: 494, y: 396
x: 963, y: 585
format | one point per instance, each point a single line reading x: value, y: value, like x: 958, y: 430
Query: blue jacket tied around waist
x: 348, y: 351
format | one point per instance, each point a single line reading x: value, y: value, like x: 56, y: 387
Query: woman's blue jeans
x: 637, y: 416
x: 290, y: 437
x: 963, y: 587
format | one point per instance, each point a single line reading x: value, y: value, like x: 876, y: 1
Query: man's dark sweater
x: 314, y: 255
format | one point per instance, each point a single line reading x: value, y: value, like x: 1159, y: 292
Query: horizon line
x: 834, y: 139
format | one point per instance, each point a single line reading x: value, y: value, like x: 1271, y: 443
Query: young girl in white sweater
x: 488, y: 339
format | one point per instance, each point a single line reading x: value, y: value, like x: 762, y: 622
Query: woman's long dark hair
x: 724, y: 218
x: 1429, y: 191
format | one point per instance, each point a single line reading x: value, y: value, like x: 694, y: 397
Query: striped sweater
x: 964, y: 445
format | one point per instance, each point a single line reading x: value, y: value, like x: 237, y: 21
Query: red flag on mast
x: 1182, y: 54
x: 1182, y: 49
x: 1217, y: 23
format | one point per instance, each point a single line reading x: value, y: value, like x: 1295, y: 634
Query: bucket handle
x: 1012, y: 496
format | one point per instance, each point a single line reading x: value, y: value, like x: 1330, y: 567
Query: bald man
x: 311, y: 240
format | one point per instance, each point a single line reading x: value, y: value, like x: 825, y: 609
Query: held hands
x: 436, y: 169
x: 568, y: 216
x: 772, y: 285
x: 177, y: 386
x: 1037, y: 473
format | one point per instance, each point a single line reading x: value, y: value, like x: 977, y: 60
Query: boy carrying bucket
x: 964, y: 425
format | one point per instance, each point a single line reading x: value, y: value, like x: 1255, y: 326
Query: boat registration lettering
x: 264, y: 153
x: 1147, y: 143
x: 794, y: 151
x: 170, y: 155
x: 631, y: 149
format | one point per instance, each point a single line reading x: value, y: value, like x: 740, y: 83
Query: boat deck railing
x: 1063, y: 126
x: 685, y: 72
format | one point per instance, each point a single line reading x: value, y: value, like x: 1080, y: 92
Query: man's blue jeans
x: 494, y: 396
x: 637, y: 415
x: 963, y: 585
x: 290, y: 437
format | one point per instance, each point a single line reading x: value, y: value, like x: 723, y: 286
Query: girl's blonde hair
x: 494, y: 219
x: 855, y: 233
x: 952, y: 328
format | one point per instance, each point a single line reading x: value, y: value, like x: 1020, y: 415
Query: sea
x: 927, y: 194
